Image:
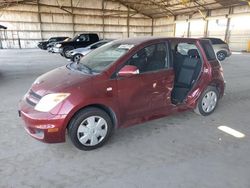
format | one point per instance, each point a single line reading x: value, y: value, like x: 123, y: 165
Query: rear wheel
x: 207, y: 102
x: 221, y: 56
x: 77, y: 57
x: 90, y: 128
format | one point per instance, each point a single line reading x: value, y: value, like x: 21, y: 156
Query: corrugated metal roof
x: 162, y: 8
x: 159, y: 8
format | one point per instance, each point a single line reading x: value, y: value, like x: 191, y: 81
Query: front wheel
x: 207, y: 102
x: 90, y: 128
x: 66, y: 51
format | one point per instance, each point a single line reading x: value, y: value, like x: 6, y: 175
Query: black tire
x: 77, y: 57
x: 66, y: 50
x: 79, y: 118
x: 221, y: 55
x: 199, y: 108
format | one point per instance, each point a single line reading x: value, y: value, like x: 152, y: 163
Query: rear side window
x: 209, y: 51
x: 217, y: 41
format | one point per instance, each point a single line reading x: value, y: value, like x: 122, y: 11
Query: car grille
x: 32, y: 98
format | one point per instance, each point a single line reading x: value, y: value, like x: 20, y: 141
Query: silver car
x: 77, y: 54
x: 221, y: 48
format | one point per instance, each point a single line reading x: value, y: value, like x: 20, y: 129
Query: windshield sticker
x: 126, y: 46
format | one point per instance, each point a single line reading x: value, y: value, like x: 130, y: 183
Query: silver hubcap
x: 67, y: 54
x: 221, y: 56
x: 92, y: 130
x: 209, y: 101
x: 77, y: 58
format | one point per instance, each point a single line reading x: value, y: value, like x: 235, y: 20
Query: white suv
x: 221, y: 48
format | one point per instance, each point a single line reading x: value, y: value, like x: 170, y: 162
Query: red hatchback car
x: 122, y: 83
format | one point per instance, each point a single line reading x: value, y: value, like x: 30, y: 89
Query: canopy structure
x: 158, y: 8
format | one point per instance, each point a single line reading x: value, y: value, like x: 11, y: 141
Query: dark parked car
x: 221, y: 48
x: 79, y: 41
x: 51, y: 46
x: 120, y: 84
x: 43, y: 45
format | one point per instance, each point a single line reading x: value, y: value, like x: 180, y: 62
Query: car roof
x: 140, y: 40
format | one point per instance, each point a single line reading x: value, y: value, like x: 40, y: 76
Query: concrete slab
x: 184, y: 150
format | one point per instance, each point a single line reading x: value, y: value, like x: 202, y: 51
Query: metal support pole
x: 206, y: 24
x: 188, y: 29
x: 39, y: 19
x: 152, y: 27
x: 174, y: 27
x: 227, y: 33
x: 128, y: 22
x: 73, y: 18
x: 103, y: 21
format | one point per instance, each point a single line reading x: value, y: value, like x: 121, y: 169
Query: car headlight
x: 58, y: 45
x: 48, y: 102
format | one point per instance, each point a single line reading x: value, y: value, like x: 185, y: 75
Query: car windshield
x: 101, y: 58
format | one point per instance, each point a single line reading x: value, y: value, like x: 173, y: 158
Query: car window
x: 209, y: 51
x: 151, y: 58
x: 83, y: 38
x: 98, y: 45
x: 217, y: 41
x: 52, y: 40
x: 183, y: 48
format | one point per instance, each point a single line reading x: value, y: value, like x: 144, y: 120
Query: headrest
x: 193, y: 53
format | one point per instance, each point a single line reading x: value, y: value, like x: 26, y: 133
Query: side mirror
x: 128, y: 71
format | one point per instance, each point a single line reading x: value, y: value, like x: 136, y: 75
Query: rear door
x: 208, y: 59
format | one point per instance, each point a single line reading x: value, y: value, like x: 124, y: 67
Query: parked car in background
x: 77, y: 54
x: 51, y: 45
x: 43, y: 45
x: 122, y: 83
x: 79, y: 41
x: 221, y: 48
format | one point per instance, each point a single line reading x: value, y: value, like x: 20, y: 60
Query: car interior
x: 151, y: 58
x: 186, y: 63
x: 187, y: 67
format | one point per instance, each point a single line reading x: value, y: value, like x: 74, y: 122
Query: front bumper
x: 56, y: 50
x: 42, y: 126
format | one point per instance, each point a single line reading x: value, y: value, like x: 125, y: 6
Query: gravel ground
x: 180, y: 151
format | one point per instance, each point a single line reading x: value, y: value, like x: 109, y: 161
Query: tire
x: 66, y: 51
x: 90, y: 128
x: 77, y: 57
x: 221, y: 55
x: 207, y: 102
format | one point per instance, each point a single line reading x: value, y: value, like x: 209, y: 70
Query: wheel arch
x: 106, y: 109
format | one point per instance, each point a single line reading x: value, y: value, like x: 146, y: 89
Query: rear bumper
x: 42, y: 126
x: 229, y: 53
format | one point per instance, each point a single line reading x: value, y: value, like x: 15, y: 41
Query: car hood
x: 59, y: 80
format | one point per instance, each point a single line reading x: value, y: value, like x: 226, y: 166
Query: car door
x: 151, y: 88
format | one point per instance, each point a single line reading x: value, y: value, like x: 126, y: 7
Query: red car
x: 122, y: 83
